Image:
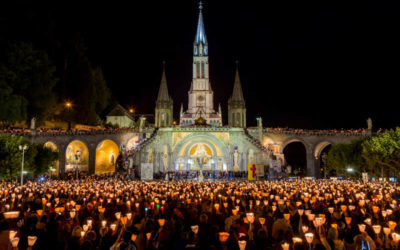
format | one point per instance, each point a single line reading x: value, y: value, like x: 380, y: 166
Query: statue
x: 33, y: 123
x: 259, y: 122
x: 165, y: 158
x: 142, y: 122
x: 150, y: 156
x: 236, y: 160
x: 200, y: 150
x: 251, y: 156
x: 369, y: 123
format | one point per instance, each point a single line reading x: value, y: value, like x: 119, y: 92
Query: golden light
x: 195, y: 229
x: 396, y: 237
x: 39, y: 212
x: 242, y: 244
x: 68, y: 104
x: 124, y: 220
x: 392, y: 225
x: 12, y: 234
x: 297, y: 240
x: 11, y: 215
x: 31, y: 240
x: 250, y: 217
x: 15, y: 241
x: 377, y: 228
x: 223, y: 236
x: 286, y: 216
x: 131, y: 110
x: 235, y: 212
x: 285, y: 246
x: 161, y: 222
x: 309, y: 237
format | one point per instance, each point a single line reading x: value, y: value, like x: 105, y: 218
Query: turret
x: 236, y: 104
x: 164, y: 104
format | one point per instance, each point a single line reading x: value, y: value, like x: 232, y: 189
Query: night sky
x: 307, y: 64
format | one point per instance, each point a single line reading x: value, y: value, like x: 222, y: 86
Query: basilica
x: 201, y: 140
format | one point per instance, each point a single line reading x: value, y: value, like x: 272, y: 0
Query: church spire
x: 236, y: 104
x: 163, y: 92
x: 200, y: 34
x: 237, y: 94
x: 164, y: 104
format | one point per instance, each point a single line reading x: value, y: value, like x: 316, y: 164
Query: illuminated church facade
x: 200, y: 140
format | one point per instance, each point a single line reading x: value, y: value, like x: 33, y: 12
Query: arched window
x: 198, y: 70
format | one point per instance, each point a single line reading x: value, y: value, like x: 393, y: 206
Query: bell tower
x: 236, y: 104
x: 201, y: 96
x: 164, y: 104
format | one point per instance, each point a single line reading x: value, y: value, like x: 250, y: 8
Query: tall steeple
x: 201, y: 96
x: 237, y: 94
x: 236, y: 104
x: 200, y: 38
x: 163, y: 91
x: 164, y: 103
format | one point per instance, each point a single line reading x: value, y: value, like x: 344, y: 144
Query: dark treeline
x: 43, y: 68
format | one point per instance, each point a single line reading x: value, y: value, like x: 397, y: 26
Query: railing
x: 72, y: 132
x: 328, y: 132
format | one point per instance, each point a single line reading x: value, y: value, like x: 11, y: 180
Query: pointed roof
x: 163, y: 92
x: 118, y: 110
x: 200, y: 34
x: 237, y: 94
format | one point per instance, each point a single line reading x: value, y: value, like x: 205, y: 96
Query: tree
x: 85, y: 86
x: 27, y: 79
x: 45, y: 158
x: 383, y: 151
x: 343, y: 156
x: 11, y: 155
x: 37, y: 159
x: 11, y: 105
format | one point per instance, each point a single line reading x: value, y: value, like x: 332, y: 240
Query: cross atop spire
x: 200, y: 34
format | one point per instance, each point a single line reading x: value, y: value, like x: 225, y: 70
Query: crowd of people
x: 104, y: 212
x: 22, y: 131
x: 54, y: 131
x: 347, y: 132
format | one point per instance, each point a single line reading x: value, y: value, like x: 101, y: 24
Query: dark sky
x: 307, y: 64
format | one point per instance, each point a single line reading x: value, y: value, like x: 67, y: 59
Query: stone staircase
x: 255, y: 141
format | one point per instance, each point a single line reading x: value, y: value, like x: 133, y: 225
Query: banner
x: 251, y: 171
x: 146, y: 171
x: 259, y: 170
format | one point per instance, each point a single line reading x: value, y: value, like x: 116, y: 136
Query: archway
x: 295, y: 157
x: 203, y: 151
x: 77, y: 157
x: 321, y: 154
x: 106, y: 156
x: 55, y: 168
